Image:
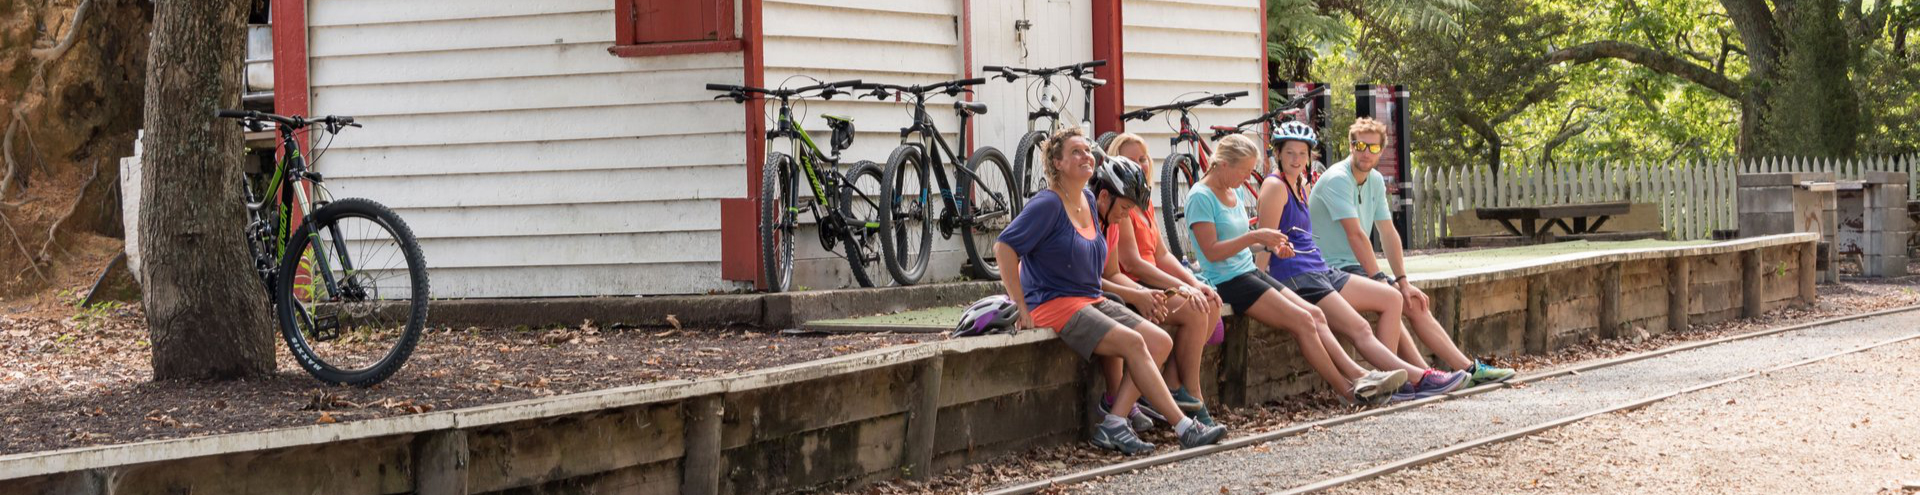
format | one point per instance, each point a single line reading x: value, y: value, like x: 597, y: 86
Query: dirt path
x: 1847, y: 425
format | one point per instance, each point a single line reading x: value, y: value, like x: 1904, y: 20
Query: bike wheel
x: 1029, y: 163
x: 352, y: 293
x: 906, y: 206
x: 860, y: 205
x: 777, y: 221
x: 989, y: 201
x: 1177, y: 176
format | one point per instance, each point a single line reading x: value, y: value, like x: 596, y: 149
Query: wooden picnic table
x: 1537, y: 222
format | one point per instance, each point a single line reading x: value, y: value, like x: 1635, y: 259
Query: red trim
x: 743, y: 264
x: 290, y: 92
x: 1266, y: 101
x: 1109, y: 101
x: 657, y: 49
x: 627, y: 24
x: 966, y: 58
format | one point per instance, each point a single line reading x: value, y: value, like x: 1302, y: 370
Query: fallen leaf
x: 326, y: 418
x: 671, y: 320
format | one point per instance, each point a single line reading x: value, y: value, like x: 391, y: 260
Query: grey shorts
x: 1314, y: 286
x: 1087, y: 326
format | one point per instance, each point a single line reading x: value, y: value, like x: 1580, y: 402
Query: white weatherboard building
x: 568, y: 147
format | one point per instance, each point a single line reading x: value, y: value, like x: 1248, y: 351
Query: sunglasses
x: 1367, y: 147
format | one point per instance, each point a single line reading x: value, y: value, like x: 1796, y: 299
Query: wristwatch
x: 1382, y: 278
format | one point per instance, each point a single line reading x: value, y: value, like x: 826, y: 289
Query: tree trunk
x: 207, y: 313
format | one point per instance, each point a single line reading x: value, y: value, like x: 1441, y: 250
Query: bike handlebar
x: 291, y: 122
x: 1215, y: 100
x: 1074, y: 70
x: 956, y: 86
x: 739, y: 92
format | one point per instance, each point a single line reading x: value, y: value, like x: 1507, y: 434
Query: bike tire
x: 989, y: 205
x: 1177, y: 176
x: 860, y: 209
x: 776, y: 221
x: 320, y: 355
x: 1106, y: 139
x: 1030, y: 162
x: 906, y: 225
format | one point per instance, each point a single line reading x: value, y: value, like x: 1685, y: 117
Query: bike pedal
x: 326, y: 327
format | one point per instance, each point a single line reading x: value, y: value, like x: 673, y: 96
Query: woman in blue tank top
x: 1283, y: 206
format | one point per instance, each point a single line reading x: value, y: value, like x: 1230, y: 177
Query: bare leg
x: 1365, y: 294
x: 1190, y: 342
x: 1428, y: 329
x: 1348, y: 323
x: 1341, y: 360
x: 1274, y: 310
x: 1143, y: 349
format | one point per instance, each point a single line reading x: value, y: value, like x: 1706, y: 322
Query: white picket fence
x: 1695, y: 197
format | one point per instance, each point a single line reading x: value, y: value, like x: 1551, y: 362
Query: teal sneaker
x: 1186, y: 401
x: 1482, y: 374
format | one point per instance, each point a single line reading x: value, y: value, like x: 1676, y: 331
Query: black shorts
x: 1314, y: 286
x: 1242, y: 291
x: 1356, y: 270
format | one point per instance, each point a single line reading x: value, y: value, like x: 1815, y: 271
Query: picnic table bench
x: 1537, y: 222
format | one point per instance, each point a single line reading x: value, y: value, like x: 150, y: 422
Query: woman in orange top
x: 1145, y: 270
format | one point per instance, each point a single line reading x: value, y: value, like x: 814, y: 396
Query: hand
x: 1284, y: 250
x: 1146, y: 301
x: 1026, y: 321
x: 1213, y: 297
x: 1416, y: 299
x: 1268, y: 237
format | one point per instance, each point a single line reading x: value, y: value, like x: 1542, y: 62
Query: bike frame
x: 804, y: 151
x: 954, y: 215
x: 291, y: 172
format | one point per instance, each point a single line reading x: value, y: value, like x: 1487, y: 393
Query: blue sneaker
x: 1432, y: 382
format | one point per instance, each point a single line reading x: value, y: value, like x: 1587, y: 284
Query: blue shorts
x: 1314, y: 286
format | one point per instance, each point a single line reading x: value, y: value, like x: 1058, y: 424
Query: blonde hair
x: 1367, y: 125
x: 1121, y: 141
x: 1234, y: 148
x: 1056, y: 147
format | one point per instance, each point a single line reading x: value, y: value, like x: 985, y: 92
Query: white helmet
x: 1293, y: 131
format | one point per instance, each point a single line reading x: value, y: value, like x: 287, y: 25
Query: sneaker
x: 1121, y: 439
x: 1200, y: 435
x: 1483, y: 374
x: 1434, y: 382
x: 1378, y: 383
x: 1141, y: 405
x: 1201, y: 416
x: 1186, y: 401
x: 1139, y: 420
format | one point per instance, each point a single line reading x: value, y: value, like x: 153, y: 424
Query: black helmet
x: 1120, y: 177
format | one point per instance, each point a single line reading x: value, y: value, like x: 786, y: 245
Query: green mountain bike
x: 346, y: 276
x: 844, y: 206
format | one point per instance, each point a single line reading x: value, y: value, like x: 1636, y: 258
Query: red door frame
x: 1109, y: 101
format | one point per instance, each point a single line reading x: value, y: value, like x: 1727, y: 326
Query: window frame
x: 627, y: 23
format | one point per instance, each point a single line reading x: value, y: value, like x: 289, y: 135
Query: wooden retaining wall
x: 906, y: 411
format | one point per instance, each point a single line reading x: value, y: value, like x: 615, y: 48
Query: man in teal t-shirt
x: 1339, y: 196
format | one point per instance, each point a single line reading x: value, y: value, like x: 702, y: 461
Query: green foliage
x: 1844, y: 85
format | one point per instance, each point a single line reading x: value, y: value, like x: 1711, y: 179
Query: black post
x: 1403, y: 213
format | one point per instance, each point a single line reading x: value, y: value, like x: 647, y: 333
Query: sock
x: 1185, y: 424
x: 1113, y: 421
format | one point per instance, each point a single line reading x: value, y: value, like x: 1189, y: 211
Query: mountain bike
x: 986, y: 199
x: 843, y: 205
x: 346, y: 277
x: 1046, y: 101
x: 1190, y: 159
x: 1184, y: 165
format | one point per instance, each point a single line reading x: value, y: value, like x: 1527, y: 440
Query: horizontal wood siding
x: 1175, y: 48
x: 530, y: 161
x: 893, y: 42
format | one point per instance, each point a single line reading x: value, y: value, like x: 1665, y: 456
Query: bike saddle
x: 971, y: 108
x: 1224, y: 128
x: 838, y: 118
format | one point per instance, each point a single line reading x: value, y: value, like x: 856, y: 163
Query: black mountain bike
x: 1047, y: 101
x: 844, y: 206
x: 985, y: 203
x: 346, y: 276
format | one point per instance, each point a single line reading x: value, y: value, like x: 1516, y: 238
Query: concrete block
x: 1759, y: 224
x: 1779, y: 179
x: 1765, y: 199
x: 1883, y: 177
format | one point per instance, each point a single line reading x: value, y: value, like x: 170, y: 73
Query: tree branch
x: 1644, y: 57
x: 1533, y: 97
x: 45, y: 55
